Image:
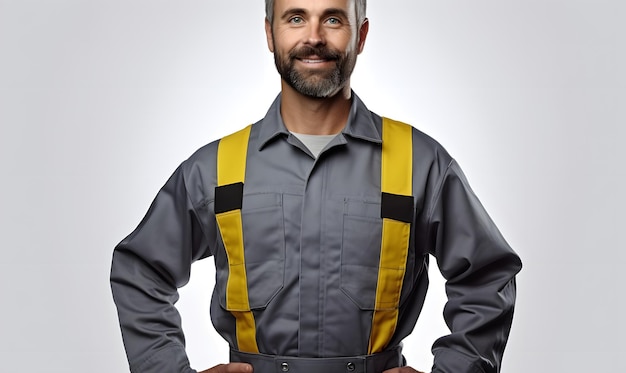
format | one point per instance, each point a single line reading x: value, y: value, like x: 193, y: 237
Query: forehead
x: 313, y: 6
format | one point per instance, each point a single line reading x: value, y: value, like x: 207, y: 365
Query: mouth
x: 314, y: 60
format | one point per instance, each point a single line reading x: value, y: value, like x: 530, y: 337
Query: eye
x: 333, y: 21
x: 296, y: 20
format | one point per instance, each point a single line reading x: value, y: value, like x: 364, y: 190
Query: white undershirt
x: 315, y: 143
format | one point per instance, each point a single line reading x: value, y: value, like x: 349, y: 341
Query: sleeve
x: 479, y: 267
x: 147, y: 268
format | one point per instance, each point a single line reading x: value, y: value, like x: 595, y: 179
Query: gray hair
x: 360, y: 6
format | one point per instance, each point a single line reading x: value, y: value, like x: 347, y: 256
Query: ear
x: 269, y: 35
x: 365, y: 27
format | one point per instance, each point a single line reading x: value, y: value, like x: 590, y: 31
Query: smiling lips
x: 314, y: 60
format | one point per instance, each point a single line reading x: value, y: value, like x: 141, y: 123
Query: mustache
x: 321, y: 51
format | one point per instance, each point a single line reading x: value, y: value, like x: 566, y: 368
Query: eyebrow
x: 336, y: 12
x: 291, y: 11
x: 328, y: 12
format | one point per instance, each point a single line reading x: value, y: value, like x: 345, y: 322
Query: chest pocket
x: 264, y: 246
x: 360, y: 258
x: 362, y: 226
x: 262, y: 220
x: 396, y: 211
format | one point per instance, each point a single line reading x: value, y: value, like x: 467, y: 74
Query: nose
x: 315, y: 34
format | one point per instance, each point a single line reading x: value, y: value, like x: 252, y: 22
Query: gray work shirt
x: 312, y: 234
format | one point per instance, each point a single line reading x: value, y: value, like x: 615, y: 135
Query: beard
x: 315, y: 83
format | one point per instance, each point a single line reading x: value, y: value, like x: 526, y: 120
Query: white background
x: 101, y: 100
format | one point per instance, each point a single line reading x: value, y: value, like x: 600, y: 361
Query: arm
x: 147, y: 268
x: 479, y: 268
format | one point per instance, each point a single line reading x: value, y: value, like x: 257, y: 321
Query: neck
x: 315, y: 116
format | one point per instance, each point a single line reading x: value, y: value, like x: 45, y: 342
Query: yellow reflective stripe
x: 396, y: 178
x: 246, y: 332
x: 397, y: 158
x: 237, y: 284
x: 231, y: 157
x: 231, y: 168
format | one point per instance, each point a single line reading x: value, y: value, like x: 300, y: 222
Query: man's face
x: 315, y: 44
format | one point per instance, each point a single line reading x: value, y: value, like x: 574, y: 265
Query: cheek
x: 350, y: 47
x: 349, y: 41
x: 286, y: 39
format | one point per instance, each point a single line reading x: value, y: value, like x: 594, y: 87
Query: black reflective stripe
x: 397, y: 207
x: 228, y: 197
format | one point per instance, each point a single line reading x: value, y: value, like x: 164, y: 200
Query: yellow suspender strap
x: 397, y: 213
x: 231, y: 171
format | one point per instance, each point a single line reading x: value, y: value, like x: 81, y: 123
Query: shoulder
x: 426, y: 150
x: 204, y: 159
x: 426, y: 147
x: 199, y: 171
x: 199, y: 174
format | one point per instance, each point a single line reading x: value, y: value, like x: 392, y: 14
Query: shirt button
x: 350, y: 367
x: 284, y: 367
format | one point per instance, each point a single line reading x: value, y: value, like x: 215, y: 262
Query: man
x: 320, y: 218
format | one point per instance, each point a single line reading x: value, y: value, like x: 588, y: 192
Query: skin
x: 300, y: 25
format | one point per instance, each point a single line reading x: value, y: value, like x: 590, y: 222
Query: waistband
x: 376, y: 363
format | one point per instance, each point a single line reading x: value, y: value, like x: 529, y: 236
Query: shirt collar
x: 360, y: 124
